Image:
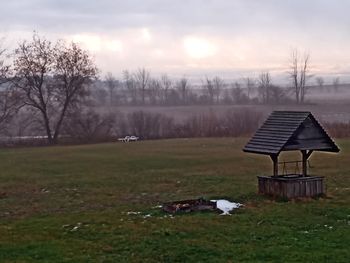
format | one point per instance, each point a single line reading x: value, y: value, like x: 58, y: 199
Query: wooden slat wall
x: 291, y: 188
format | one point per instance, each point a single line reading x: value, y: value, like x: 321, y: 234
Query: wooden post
x: 304, y: 158
x: 274, y: 158
x: 305, y: 155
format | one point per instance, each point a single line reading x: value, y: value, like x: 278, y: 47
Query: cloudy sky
x: 191, y: 37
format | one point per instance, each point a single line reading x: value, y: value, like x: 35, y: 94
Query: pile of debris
x: 200, y: 204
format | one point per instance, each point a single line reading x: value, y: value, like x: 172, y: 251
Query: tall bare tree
x: 166, y: 84
x: 52, y: 78
x: 264, y: 87
x: 213, y: 88
x: 299, y: 74
x: 209, y: 89
x: 32, y: 65
x: 218, y: 84
x: 111, y: 84
x: 183, y: 89
x: 130, y: 84
x: 142, y: 77
x: 74, y: 70
x: 250, y: 84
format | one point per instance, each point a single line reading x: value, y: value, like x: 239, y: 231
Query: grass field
x: 71, y: 204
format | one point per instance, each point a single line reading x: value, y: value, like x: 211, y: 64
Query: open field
x: 70, y: 204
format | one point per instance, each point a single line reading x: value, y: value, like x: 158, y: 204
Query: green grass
x: 70, y: 204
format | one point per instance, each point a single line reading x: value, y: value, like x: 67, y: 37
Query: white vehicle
x: 129, y: 139
x: 133, y: 138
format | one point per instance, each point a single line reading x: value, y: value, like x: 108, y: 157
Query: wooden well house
x: 291, y: 131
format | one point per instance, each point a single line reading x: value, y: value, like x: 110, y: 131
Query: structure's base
x: 291, y: 186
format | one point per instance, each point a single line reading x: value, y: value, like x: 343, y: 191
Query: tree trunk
x: 60, y: 120
x: 50, y: 139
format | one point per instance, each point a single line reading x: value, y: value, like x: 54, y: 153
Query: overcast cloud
x: 192, y: 37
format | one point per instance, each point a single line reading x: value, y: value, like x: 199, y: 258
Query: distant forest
x: 53, y: 92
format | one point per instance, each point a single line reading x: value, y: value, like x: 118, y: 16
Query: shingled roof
x: 290, y: 130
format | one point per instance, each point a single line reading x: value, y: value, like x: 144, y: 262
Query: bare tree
x: 213, y: 88
x: 33, y: 63
x: 236, y: 93
x: 264, y: 87
x: 299, y: 74
x: 150, y: 125
x: 154, y: 90
x: 320, y: 82
x: 73, y: 71
x: 52, y: 78
x: 111, y: 84
x: 277, y: 94
x: 142, y: 77
x: 209, y: 89
x: 130, y: 84
x: 218, y: 84
x: 183, y: 88
x: 250, y: 84
x: 165, y: 86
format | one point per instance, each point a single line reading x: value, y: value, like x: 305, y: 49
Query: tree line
x: 140, y: 88
x: 53, y: 87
